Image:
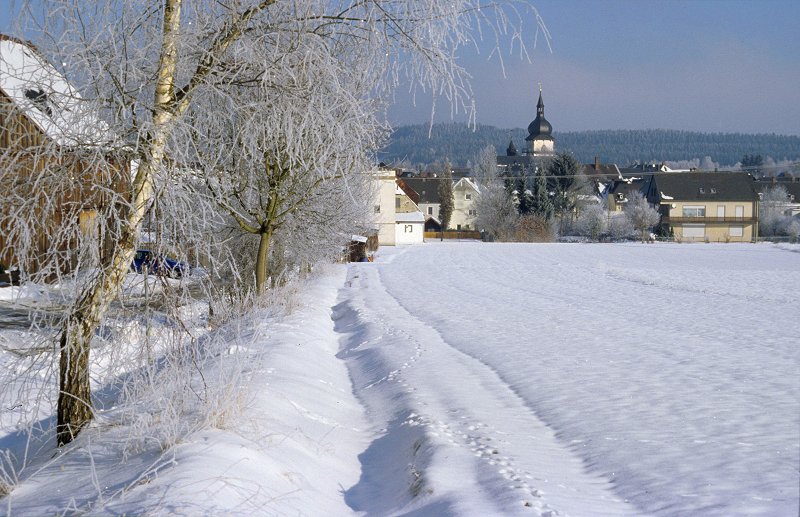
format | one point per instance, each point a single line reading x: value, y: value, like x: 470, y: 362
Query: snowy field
x: 669, y: 370
x: 476, y: 379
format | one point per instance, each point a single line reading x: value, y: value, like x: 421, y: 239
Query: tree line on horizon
x: 419, y: 145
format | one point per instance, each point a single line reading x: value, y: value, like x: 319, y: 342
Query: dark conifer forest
x: 459, y: 144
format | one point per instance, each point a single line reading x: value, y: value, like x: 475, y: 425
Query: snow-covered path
x: 453, y: 438
x: 473, y: 379
x: 665, y: 375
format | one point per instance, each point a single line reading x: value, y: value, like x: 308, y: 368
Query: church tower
x: 540, y: 137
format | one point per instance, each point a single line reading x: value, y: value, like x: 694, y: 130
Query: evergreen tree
x: 542, y: 205
x: 752, y: 163
x: 446, y: 201
x: 525, y: 204
x: 564, y: 181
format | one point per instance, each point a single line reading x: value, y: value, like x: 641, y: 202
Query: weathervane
x: 540, y: 86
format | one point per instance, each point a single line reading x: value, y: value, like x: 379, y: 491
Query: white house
x: 465, y: 192
x: 384, y: 205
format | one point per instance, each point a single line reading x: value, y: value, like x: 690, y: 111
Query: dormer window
x: 39, y: 99
x: 702, y: 190
x: 713, y: 191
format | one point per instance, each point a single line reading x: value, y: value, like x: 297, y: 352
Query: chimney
x: 597, y: 163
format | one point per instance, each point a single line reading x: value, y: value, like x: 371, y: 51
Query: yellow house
x: 707, y: 206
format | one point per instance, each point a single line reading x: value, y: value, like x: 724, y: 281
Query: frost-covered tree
x: 772, y: 219
x: 496, y: 213
x: 592, y: 222
x: 154, y: 73
x: 620, y: 227
x: 268, y: 179
x: 641, y: 214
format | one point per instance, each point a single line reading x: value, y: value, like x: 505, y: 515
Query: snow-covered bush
x: 620, y: 227
x: 642, y: 216
x: 772, y: 217
x: 592, y: 222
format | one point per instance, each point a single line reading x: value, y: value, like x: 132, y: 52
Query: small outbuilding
x: 410, y: 228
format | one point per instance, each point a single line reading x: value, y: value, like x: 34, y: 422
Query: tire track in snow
x: 442, y: 413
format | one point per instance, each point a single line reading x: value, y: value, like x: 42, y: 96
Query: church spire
x: 540, y: 104
x: 540, y: 131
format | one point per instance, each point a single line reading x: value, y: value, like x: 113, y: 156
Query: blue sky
x: 701, y: 65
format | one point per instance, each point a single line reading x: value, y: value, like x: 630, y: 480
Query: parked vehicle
x: 145, y: 261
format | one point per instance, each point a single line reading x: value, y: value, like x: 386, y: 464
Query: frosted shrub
x: 620, y: 227
x: 592, y: 222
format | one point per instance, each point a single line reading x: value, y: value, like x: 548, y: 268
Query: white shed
x: 409, y: 228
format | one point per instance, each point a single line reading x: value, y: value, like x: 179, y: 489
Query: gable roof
x: 604, y: 170
x: 466, y: 183
x: 407, y: 190
x: 792, y: 187
x: 627, y: 187
x: 410, y: 217
x: 705, y: 186
x: 44, y: 95
x: 426, y: 188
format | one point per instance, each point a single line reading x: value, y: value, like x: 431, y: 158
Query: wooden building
x: 59, y: 169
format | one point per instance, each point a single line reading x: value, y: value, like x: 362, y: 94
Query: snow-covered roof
x: 410, y: 217
x: 469, y: 182
x: 43, y: 94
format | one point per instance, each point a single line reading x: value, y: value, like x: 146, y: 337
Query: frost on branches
x: 227, y: 126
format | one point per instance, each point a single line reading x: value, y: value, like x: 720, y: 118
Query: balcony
x: 708, y: 220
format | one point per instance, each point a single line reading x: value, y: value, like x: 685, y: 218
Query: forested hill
x: 459, y: 143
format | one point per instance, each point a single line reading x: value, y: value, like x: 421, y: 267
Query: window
x: 720, y: 210
x: 409, y: 228
x: 702, y: 190
x: 430, y: 210
x: 740, y: 211
x: 694, y: 211
x: 694, y: 231
x: 397, y: 203
x: 736, y: 231
x: 473, y: 212
x: 377, y: 209
x: 40, y: 100
x: 467, y: 196
x: 713, y: 191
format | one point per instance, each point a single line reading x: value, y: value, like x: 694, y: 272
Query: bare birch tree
x: 149, y: 66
